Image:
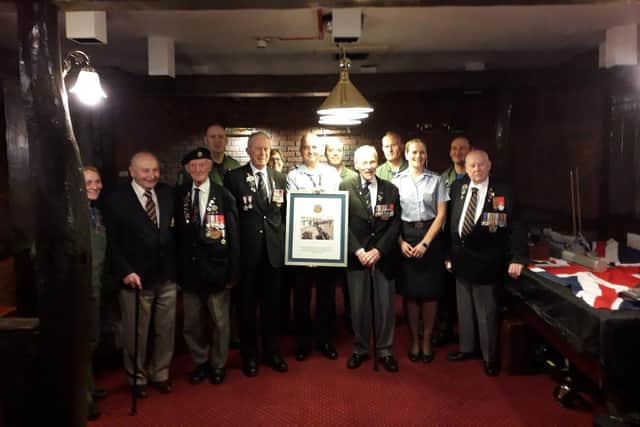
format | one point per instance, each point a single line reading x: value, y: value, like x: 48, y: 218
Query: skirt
x: 423, y: 277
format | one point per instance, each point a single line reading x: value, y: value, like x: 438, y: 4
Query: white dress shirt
x: 373, y: 190
x: 203, y: 197
x: 143, y: 199
x: 482, y: 195
x: 265, y: 176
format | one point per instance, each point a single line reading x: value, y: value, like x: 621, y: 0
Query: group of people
x: 219, y: 235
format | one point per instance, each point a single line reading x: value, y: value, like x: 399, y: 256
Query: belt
x: 418, y: 224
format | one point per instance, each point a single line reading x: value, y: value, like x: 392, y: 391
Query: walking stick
x: 373, y: 320
x: 134, y: 397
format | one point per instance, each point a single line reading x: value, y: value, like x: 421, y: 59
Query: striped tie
x: 470, y: 215
x: 150, y: 208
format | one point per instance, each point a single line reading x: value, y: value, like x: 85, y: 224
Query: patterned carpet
x: 321, y: 392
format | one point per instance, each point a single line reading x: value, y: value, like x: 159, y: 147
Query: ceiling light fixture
x: 345, y: 105
x: 87, y: 87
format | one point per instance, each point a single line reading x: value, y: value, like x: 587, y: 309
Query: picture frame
x: 317, y: 228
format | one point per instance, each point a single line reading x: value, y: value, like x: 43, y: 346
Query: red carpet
x: 321, y: 392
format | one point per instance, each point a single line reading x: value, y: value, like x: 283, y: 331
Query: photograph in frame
x: 317, y: 228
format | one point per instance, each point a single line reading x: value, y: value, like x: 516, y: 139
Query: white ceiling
x: 399, y: 39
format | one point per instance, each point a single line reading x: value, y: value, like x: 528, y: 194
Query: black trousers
x: 325, y: 281
x: 260, y: 290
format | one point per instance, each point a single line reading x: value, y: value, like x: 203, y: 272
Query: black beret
x: 198, y: 153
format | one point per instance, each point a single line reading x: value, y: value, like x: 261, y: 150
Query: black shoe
x: 164, y: 387
x: 139, y: 391
x: 414, y: 357
x: 99, y: 394
x: 328, y: 351
x: 302, y: 353
x: 93, y: 413
x: 356, y: 360
x: 249, y: 367
x: 217, y: 375
x: 199, y: 373
x: 459, y: 356
x: 277, y: 363
x: 428, y: 358
x: 492, y: 369
x: 389, y: 363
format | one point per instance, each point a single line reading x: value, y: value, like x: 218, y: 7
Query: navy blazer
x: 260, y: 227
x: 134, y: 243
x: 368, y: 231
x: 483, y: 256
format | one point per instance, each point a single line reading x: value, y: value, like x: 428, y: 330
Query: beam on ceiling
x: 68, y: 5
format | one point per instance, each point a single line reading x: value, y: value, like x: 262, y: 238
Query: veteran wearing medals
x: 374, y: 225
x: 260, y: 197
x: 139, y: 219
x: 488, y: 239
x: 423, y: 199
x: 208, y: 265
x: 312, y: 175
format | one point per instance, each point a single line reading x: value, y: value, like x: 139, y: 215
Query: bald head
x: 144, y: 169
x: 477, y: 165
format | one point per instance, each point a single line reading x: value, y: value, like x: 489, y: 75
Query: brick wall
x: 287, y: 141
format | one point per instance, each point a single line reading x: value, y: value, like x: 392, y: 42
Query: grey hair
x: 363, y: 151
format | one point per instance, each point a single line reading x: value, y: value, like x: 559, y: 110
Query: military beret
x: 198, y: 153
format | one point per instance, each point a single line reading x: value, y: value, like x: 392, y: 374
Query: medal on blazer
x: 383, y: 211
x: 498, y: 203
x: 278, y: 196
x: 252, y: 183
x: 247, y: 202
x: 215, y: 227
x: 186, y: 207
x: 463, y: 191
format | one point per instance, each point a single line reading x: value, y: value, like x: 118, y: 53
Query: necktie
x: 470, y: 215
x: 262, y: 189
x: 366, y: 194
x: 195, y: 207
x: 150, y: 208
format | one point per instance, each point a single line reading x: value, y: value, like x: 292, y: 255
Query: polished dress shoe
x: 492, y: 369
x: 217, y: 376
x: 199, y: 373
x: 414, y: 357
x: 163, y: 387
x: 356, y: 360
x: 302, y: 353
x: 139, y: 391
x: 328, y: 351
x: 249, y: 367
x: 459, y: 356
x: 277, y: 363
x: 389, y: 363
x: 99, y: 394
x: 427, y: 357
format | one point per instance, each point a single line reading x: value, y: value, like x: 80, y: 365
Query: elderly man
x: 261, y: 201
x: 488, y: 238
x: 393, y: 150
x: 459, y: 148
x: 208, y: 267
x: 334, y: 152
x: 139, y: 220
x: 312, y: 175
x: 215, y: 138
x: 374, y: 225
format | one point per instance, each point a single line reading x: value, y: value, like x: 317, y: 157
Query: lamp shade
x: 345, y: 99
x: 87, y: 87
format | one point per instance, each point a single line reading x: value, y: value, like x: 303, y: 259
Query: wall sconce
x: 87, y: 87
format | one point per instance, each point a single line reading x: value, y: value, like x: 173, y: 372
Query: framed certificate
x: 317, y: 227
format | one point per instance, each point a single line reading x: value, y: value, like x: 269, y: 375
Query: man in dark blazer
x: 208, y: 265
x: 260, y: 196
x: 140, y: 233
x: 488, y: 238
x: 374, y: 224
